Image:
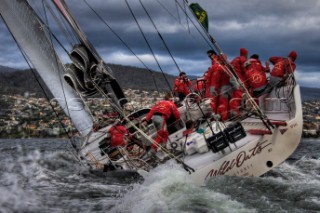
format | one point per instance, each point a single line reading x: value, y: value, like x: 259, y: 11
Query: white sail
x: 31, y: 36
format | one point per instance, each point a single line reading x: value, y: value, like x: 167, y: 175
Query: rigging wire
x: 166, y: 46
x: 177, y: 20
x: 146, y: 40
x: 229, y: 69
x: 64, y: 30
x: 124, y: 43
x: 71, y: 38
x: 161, y: 38
x: 185, y: 9
x: 210, y: 44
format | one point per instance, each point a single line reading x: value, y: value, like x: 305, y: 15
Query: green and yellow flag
x: 201, y: 14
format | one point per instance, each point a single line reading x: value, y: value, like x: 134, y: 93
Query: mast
x: 33, y: 39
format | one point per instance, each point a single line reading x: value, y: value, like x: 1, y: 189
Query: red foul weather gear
x: 235, y: 101
x: 238, y: 65
x: 160, y: 112
x: 283, y: 66
x: 240, y: 70
x: 225, y: 95
x: 218, y: 82
x: 118, y: 133
x: 181, y: 86
x: 164, y: 107
x: 214, y: 84
x: 256, y: 75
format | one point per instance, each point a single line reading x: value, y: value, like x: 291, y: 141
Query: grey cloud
x: 273, y: 27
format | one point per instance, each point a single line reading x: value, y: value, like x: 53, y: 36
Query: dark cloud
x: 268, y: 28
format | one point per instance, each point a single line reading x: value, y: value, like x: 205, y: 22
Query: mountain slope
x: 14, y: 81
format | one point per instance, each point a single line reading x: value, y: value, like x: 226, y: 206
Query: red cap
x: 293, y: 55
x: 243, y: 52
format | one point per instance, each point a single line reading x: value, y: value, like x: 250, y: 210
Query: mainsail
x: 32, y: 37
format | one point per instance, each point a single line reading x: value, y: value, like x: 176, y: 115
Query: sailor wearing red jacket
x: 160, y: 113
x: 238, y: 65
x: 213, y: 83
x: 118, y: 134
x: 182, y: 85
x: 200, y: 86
x: 240, y: 70
x: 218, y: 87
x: 282, y: 67
x: 225, y: 91
x: 256, y: 75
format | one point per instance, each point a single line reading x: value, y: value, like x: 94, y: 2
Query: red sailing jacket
x: 255, y: 74
x: 282, y: 66
x: 165, y: 108
x: 181, y: 85
x: 238, y: 65
x: 216, y: 78
x: 117, y: 135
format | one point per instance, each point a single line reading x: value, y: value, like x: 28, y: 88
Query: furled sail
x: 112, y: 86
x: 31, y: 35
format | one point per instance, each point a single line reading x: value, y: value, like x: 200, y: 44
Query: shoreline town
x: 32, y: 117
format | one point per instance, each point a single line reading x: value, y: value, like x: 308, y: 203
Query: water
x: 43, y: 176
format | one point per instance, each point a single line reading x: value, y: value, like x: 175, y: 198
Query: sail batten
x: 31, y: 36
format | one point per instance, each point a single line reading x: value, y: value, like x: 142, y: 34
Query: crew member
x: 200, y: 86
x: 256, y: 75
x: 283, y: 67
x: 182, y: 86
x: 159, y: 114
x: 119, y: 134
x: 237, y: 92
x: 218, y: 80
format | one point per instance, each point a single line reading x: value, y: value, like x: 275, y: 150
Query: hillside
x: 18, y: 81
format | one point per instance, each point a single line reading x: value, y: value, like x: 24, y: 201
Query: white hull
x: 256, y: 156
x: 253, y: 155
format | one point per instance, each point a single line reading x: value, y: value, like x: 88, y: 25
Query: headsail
x: 30, y: 34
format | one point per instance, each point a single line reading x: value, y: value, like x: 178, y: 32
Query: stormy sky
x: 268, y: 28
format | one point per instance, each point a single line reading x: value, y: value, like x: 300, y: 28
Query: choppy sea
x: 42, y: 175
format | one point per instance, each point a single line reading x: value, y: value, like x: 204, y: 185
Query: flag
x: 201, y: 15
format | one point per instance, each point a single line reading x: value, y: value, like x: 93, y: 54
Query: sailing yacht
x: 266, y: 133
